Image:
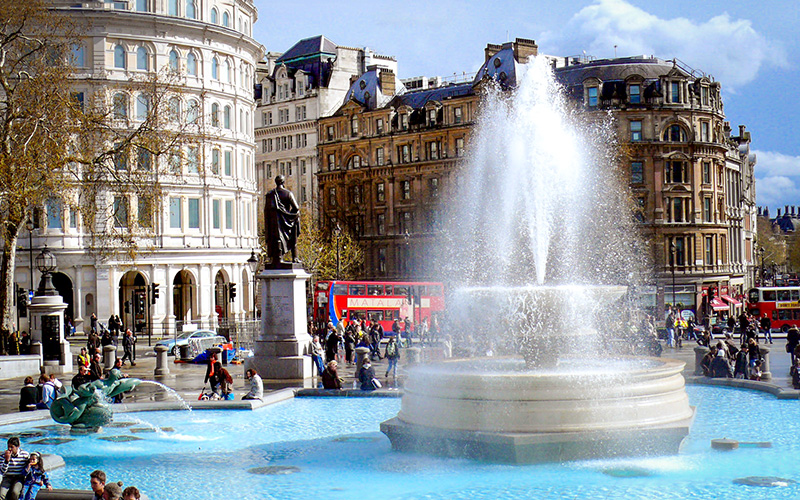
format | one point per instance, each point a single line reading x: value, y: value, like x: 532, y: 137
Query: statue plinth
x: 282, y: 345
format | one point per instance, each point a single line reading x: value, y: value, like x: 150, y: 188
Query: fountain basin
x: 497, y: 410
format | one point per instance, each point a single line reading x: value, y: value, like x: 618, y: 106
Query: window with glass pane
x: 433, y: 187
x: 120, y: 106
x: 173, y: 7
x: 145, y: 212
x: 53, y: 207
x: 675, y: 134
x: 460, y: 147
x: 379, y: 156
x: 332, y: 196
x: 381, y: 224
x: 119, y: 57
x: 381, y: 192
x: 142, y: 59
x: 228, y: 214
x: 457, y: 115
x: 194, y: 213
x: 142, y: 106
x: 680, y: 252
x: 636, y: 130
x: 591, y: 96
x: 704, y: 128
x: 226, y: 19
x: 228, y: 162
x: 214, y: 16
x: 675, y: 95
x: 635, y: 94
x: 175, y: 213
x: 78, y: 56
x: 193, y: 159
x: 358, y: 289
x: 120, y: 208
x: 379, y: 126
x: 191, y: 64
x: 706, y: 172
x: 637, y: 172
x: 226, y: 117
x: 191, y: 12
x: 120, y: 159
x: 215, y: 215
x: 193, y: 111
x: 677, y: 210
x: 405, y: 190
x: 215, y: 161
x: 173, y: 61
x: 707, y: 209
x: 144, y: 159
x: 215, y: 69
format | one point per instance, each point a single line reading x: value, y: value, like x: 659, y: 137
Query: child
x: 131, y: 493
x: 35, y: 477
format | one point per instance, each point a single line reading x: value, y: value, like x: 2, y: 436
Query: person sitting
x: 740, y: 370
x: 256, y: 385
x: 82, y: 377
x: 720, y: 368
x: 794, y: 371
x: 27, y: 396
x: 755, y: 370
x: 48, y: 393
x: 366, y: 376
x: 705, y: 364
x: 330, y: 377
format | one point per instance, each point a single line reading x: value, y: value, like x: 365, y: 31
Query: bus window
x: 375, y: 315
x: 357, y: 315
x: 388, y: 290
x: 784, y: 314
x: 358, y: 289
x: 796, y: 313
x: 339, y: 289
x: 392, y: 314
x: 400, y: 290
x: 774, y: 315
x: 784, y: 295
x: 795, y: 295
x: 769, y: 296
x: 752, y: 296
x: 374, y: 289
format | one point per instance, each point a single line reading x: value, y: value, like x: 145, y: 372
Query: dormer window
x: 354, y: 125
x: 404, y: 122
x: 591, y: 96
x: 635, y: 94
x: 431, y: 117
x: 675, y: 133
x: 675, y: 92
x: 379, y: 125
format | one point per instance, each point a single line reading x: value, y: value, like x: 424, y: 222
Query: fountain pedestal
x: 282, y: 345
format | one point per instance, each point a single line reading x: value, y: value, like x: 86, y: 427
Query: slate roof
x: 308, y: 47
x: 418, y: 99
x: 616, y: 70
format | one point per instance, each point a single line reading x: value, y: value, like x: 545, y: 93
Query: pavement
x: 186, y: 379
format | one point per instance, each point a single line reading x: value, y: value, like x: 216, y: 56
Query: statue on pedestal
x: 282, y: 216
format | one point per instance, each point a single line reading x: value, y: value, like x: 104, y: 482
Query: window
x: 303, y: 197
x: 674, y: 95
x: 73, y: 218
x: 332, y: 196
x: 119, y: 57
x: 144, y: 209
x: 78, y: 56
x: 190, y: 9
x: 120, y: 110
x: 193, y: 111
x: 120, y: 159
x: 382, y: 260
x: 704, y: 129
x: 433, y: 187
x: 459, y: 147
x: 379, y: 126
x: 675, y: 133
x: 214, y: 16
x: 380, y: 225
x: 191, y: 64
x: 637, y: 172
x: 591, y: 96
x: 457, y: 115
x: 215, y: 161
x: 706, y: 172
x: 174, y: 160
x: 707, y: 210
x: 215, y: 68
x: 355, y: 195
x: 226, y: 19
x: 141, y: 6
x: 215, y: 115
x: 331, y: 161
x: 678, y: 209
x: 354, y: 162
x: 173, y: 61
x: 194, y: 213
x: 679, y: 256
x: 53, y: 207
x: 144, y: 159
x: 406, y: 222
x: 404, y: 153
x: 330, y: 132
x: 142, y: 59
x: 228, y: 163
x: 704, y: 96
x: 226, y: 117
x: 433, y: 150
x: 303, y: 167
x: 675, y: 172
x: 120, y: 208
x: 405, y: 190
x: 635, y: 94
x: 228, y: 214
x: 226, y: 72
x: 431, y: 117
x: 380, y: 192
x: 215, y: 215
x: 636, y: 130
x: 379, y: 156
x: 142, y: 106
x: 709, y: 250
x: 173, y: 7
x: 175, y: 213
x: 193, y: 160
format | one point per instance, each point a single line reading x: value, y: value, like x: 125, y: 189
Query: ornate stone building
x: 206, y: 228
x: 691, y: 177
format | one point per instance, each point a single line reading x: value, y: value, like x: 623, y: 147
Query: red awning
x: 730, y: 300
x: 718, y: 305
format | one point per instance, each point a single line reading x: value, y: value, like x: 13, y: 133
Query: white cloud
x: 777, y: 179
x: 729, y: 49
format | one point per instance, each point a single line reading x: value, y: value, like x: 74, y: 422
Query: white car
x: 183, y: 339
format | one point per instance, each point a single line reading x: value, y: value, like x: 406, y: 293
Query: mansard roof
x: 620, y: 69
x: 308, y: 47
x: 418, y: 99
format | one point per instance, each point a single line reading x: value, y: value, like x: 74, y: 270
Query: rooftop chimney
x: 524, y: 48
x: 779, y: 213
x: 387, y: 81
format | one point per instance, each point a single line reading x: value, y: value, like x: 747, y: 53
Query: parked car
x: 174, y: 344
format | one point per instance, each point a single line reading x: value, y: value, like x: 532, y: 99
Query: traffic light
x: 154, y: 293
x: 232, y: 291
x: 22, y: 302
x: 140, y: 302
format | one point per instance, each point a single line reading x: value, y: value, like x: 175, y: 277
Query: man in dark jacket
x: 792, y: 339
x: 720, y: 368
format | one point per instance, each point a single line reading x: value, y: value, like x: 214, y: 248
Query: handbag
x: 376, y: 383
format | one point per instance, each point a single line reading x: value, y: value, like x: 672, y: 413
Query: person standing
x: 792, y: 340
x: 669, y: 323
x: 83, y: 358
x: 95, y: 368
x: 316, y: 355
x: 93, y: 324
x: 766, y: 327
x: 375, y: 336
x: 12, y: 467
x: 128, y: 342
x: 282, y: 220
x: 256, y: 385
x: 392, y: 354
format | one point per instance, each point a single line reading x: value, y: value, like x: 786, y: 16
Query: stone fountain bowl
x: 498, y: 409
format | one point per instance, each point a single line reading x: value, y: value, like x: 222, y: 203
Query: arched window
x: 173, y: 61
x: 191, y: 64
x: 226, y: 72
x: 215, y: 115
x: 120, y: 110
x: 190, y: 9
x: 142, y: 59
x: 226, y: 117
x: 241, y: 120
x: 247, y: 121
x: 675, y: 133
x: 215, y: 69
x: 175, y: 109
x: 192, y: 111
x: 214, y: 16
x: 173, y: 7
x: 142, y: 106
x: 226, y: 19
x: 119, y: 57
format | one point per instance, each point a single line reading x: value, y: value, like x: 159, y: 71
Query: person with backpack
x: 392, y: 353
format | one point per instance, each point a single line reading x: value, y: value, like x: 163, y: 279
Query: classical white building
x: 294, y: 90
x: 206, y: 228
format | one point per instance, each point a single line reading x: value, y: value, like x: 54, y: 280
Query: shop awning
x: 718, y: 305
x: 730, y: 300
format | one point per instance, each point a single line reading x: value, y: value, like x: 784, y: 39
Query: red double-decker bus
x: 382, y: 301
x: 780, y: 303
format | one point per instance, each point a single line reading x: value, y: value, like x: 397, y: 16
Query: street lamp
x: 46, y: 264
x: 337, y: 231
x: 253, y: 263
x: 673, y: 249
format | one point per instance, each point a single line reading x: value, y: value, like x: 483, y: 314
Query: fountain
x: 545, y: 267
x: 86, y: 407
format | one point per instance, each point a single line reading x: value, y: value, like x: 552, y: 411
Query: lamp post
x: 673, y: 249
x: 761, y: 253
x: 253, y: 263
x: 337, y: 231
x: 46, y: 264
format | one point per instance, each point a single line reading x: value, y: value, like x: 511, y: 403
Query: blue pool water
x: 331, y: 448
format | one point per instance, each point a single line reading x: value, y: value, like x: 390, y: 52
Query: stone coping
x: 739, y: 383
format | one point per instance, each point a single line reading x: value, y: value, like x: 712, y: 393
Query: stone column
x: 282, y: 347
x: 362, y: 354
x: 109, y: 356
x: 766, y: 374
x: 699, y: 353
x: 162, y: 365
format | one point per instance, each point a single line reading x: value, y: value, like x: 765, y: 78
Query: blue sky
x: 745, y: 45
